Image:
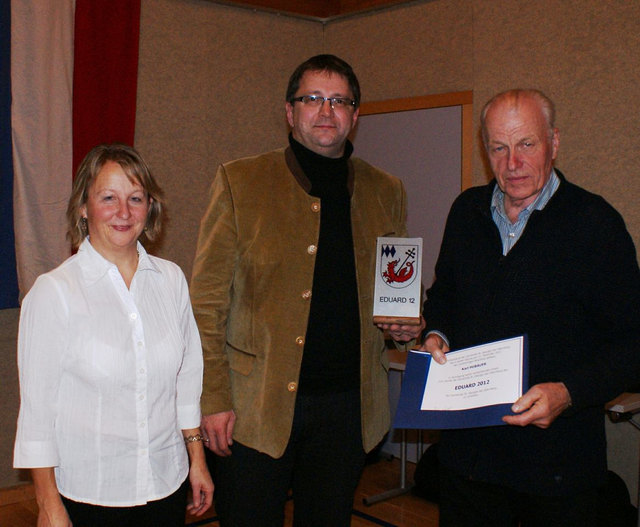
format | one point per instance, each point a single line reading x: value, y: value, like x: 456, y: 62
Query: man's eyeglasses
x: 316, y: 101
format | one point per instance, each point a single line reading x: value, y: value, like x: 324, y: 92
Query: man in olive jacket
x: 295, y: 384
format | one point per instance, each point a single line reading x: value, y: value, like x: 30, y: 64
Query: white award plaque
x: 398, y: 284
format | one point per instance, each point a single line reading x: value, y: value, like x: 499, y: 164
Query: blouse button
x: 306, y: 294
x: 312, y: 249
x: 315, y: 206
x: 300, y: 341
x: 292, y: 386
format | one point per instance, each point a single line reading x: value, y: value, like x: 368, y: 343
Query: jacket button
x: 312, y: 249
x: 306, y: 294
x: 292, y: 386
x: 315, y: 206
x: 300, y: 341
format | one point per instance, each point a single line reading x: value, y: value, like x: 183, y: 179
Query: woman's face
x: 116, y: 211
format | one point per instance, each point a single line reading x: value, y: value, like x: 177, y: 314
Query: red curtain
x: 105, y: 73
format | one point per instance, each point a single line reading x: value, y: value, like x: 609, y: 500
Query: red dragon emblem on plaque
x: 398, y: 274
x: 402, y: 275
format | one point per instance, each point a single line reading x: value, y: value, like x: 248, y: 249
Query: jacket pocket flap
x: 240, y: 361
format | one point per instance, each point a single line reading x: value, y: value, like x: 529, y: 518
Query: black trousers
x: 322, y: 465
x: 167, y: 512
x: 465, y: 503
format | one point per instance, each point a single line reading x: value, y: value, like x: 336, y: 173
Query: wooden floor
x: 18, y: 507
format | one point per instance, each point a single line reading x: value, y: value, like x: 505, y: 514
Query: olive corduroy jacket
x: 252, y: 283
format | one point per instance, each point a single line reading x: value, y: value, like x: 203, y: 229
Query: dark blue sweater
x: 571, y: 283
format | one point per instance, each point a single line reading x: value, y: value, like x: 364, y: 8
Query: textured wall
x: 212, y: 82
x: 212, y: 79
x: 9, y: 397
x: 422, y: 49
x: 585, y: 54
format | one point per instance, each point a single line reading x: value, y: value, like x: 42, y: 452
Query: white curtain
x: 41, y: 89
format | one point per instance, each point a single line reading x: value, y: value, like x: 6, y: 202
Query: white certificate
x: 486, y: 375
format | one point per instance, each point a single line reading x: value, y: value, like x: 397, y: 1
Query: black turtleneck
x: 331, y: 359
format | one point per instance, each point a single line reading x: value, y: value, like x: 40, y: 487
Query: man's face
x: 323, y: 130
x: 520, y: 151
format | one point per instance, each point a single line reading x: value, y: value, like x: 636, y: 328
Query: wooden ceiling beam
x: 320, y: 9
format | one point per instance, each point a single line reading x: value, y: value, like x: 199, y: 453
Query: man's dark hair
x: 324, y: 63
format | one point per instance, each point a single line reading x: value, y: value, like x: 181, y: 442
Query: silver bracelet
x: 198, y: 437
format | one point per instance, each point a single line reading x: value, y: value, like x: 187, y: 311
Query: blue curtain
x: 8, y: 275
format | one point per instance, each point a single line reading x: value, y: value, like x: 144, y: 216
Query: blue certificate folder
x: 410, y: 415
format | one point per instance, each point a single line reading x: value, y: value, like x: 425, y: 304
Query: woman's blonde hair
x: 136, y: 170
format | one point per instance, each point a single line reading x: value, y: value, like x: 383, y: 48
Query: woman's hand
x: 201, y: 488
x: 199, y: 477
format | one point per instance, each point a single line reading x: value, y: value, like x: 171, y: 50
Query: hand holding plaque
x: 398, y: 281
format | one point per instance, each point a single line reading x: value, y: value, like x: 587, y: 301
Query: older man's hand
x: 540, y: 406
x: 436, y: 346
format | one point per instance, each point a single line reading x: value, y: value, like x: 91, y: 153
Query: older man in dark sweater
x: 533, y: 254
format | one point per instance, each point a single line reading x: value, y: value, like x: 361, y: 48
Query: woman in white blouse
x: 111, y: 364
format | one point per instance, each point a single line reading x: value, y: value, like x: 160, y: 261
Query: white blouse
x: 109, y: 377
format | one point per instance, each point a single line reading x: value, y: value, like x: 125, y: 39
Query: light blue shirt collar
x: 510, y: 232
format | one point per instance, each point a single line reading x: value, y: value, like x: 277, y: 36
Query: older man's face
x: 520, y: 151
